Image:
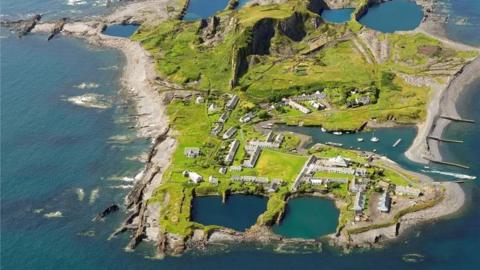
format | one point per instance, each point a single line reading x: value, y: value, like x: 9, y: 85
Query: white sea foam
x: 121, y: 178
x: 139, y: 175
x: 56, y: 214
x: 76, y: 2
x: 94, y: 195
x: 90, y: 100
x: 87, y: 85
x: 122, y: 186
x: 456, y: 175
x: 80, y: 193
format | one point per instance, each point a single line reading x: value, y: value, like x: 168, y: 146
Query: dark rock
x: 112, y: 208
x: 22, y: 27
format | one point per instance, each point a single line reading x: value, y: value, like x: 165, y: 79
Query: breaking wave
x: 456, y: 175
x: 87, y: 85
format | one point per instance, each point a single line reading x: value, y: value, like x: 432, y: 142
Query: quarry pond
x: 396, y: 15
x: 308, y: 217
x: 121, y: 30
x: 239, y: 212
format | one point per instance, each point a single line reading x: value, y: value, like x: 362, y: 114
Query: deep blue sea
x: 51, y: 149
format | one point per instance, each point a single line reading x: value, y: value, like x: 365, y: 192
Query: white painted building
x: 229, y: 133
x: 232, y: 102
x: 298, y: 106
x: 231, y: 152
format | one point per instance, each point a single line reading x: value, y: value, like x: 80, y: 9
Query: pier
x: 444, y: 140
x: 457, y: 119
x: 397, y: 142
x: 447, y: 163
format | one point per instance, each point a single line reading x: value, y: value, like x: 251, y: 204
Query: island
x: 212, y: 92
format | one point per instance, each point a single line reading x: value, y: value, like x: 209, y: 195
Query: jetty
x: 397, y: 142
x: 444, y: 140
x: 447, y: 163
x: 457, y: 119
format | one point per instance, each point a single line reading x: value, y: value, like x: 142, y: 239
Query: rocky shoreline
x: 139, y: 79
x: 443, y: 99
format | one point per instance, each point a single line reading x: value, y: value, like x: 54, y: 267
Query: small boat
x: 338, y: 133
x: 359, y: 139
x: 334, y: 144
x: 374, y: 139
x: 323, y: 130
x: 374, y: 150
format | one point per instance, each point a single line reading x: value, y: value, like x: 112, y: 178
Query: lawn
x: 275, y: 164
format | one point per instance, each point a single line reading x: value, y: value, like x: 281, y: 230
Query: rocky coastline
x: 140, y: 80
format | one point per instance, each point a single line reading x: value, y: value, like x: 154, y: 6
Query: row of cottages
x: 311, y: 97
x: 191, y: 152
x: 237, y: 168
x: 279, y: 139
x: 298, y: 106
x: 359, y: 202
x: 261, y: 144
x: 384, y: 203
x: 229, y: 133
x: 320, y: 168
x: 232, y: 102
x: 247, y: 117
x: 250, y: 163
x: 302, y: 173
x: 252, y: 179
x: 231, y: 152
x: 326, y: 181
x: 270, y: 137
x: 223, y: 118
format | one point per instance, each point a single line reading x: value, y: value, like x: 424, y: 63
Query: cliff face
x: 259, y: 39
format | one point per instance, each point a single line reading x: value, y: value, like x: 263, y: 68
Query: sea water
x: 53, y: 9
x: 201, y: 9
x: 463, y: 20
x: 391, y: 16
x: 51, y: 149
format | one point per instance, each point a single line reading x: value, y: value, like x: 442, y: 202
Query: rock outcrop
x: 22, y: 27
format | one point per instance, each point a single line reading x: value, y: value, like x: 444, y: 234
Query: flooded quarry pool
x: 391, y: 16
x: 308, y: 217
x: 239, y: 211
x: 341, y: 15
x: 121, y: 30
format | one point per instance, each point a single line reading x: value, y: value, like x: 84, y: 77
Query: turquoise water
x: 50, y: 147
x: 239, y: 211
x: 463, y: 20
x: 201, y: 9
x: 387, y: 136
x: 391, y: 16
x: 121, y: 30
x: 308, y: 217
x: 337, y: 15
